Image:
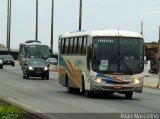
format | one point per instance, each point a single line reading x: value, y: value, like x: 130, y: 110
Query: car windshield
x: 121, y: 55
x: 7, y: 57
x: 38, y: 51
x: 36, y: 62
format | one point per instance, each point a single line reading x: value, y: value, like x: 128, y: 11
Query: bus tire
x: 88, y: 93
x: 128, y: 95
x: 83, y: 86
x: 76, y: 90
x: 69, y: 89
x: 110, y: 92
x: 85, y: 92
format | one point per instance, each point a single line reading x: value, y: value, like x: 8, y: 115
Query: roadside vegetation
x: 8, y: 111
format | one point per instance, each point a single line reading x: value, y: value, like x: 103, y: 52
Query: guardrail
x: 6, y: 49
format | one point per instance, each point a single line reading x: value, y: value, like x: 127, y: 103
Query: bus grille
x: 120, y: 83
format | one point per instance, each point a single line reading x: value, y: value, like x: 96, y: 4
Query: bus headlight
x: 98, y: 80
x: 30, y: 68
x: 46, y: 68
x: 137, y: 80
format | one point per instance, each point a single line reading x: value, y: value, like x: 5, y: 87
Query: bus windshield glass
x: 36, y: 63
x: 38, y: 51
x: 117, y: 55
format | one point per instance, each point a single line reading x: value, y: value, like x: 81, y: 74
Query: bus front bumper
x: 117, y: 88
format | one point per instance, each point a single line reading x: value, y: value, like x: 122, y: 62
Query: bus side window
x: 80, y: 45
x: 75, y: 46
x: 63, y: 46
x: 24, y: 50
x: 66, y: 46
x: 84, y: 45
x: 71, y: 46
x: 60, y: 45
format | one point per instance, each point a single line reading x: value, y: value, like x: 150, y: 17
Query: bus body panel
x: 73, y: 69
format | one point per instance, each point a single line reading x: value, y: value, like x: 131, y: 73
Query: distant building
x: 151, y: 50
x: 2, y: 46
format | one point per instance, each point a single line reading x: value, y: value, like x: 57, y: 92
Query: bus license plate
x: 118, y: 87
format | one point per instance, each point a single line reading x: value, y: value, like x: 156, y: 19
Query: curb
x: 153, y: 87
x: 33, y: 112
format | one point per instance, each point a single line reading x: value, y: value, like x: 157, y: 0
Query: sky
x: 97, y: 14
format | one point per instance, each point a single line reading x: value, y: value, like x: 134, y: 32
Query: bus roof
x: 31, y: 42
x: 114, y: 33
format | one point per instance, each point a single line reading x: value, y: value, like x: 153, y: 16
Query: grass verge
x: 8, y: 111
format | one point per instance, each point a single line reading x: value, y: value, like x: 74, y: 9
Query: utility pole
x: 142, y: 28
x: 80, y: 15
x: 8, y: 25
x: 36, y: 37
x: 9, y: 35
x: 52, y: 20
x: 158, y: 59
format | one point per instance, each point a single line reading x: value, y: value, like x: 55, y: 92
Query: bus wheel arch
x: 66, y: 80
x: 69, y: 89
x: 83, y: 85
x: 85, y: 92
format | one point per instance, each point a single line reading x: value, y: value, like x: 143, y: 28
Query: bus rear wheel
x: 69, y: 89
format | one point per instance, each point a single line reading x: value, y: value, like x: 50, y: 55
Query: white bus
x: 32, y: 49
x: 101, y: 61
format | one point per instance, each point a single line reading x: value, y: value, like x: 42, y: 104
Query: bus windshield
x: 117, y: 55
x: 38, y: 51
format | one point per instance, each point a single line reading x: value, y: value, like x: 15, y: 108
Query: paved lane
x: 50, y: 97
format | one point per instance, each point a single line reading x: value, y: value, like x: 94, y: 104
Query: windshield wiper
x: 127, y: 67
x: 41, y: 54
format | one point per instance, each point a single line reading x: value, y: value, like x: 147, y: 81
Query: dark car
x: 35, y: 68
x: 52, y: 61
x: 1, y: 63
x: 8, y: 60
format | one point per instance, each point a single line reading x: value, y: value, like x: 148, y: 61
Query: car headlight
x: 30, y: 68
x: 46, y: 68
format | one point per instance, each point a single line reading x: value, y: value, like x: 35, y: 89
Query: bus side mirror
x: 89, y: 56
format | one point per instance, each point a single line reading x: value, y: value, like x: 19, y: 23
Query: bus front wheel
x: 128, y: 95
x: 88, y: 93
x: 84, y: 91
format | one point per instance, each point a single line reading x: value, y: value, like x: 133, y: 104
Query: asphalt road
x: 49, y: 97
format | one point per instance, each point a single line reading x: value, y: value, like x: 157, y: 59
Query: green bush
x: 10, y: 112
